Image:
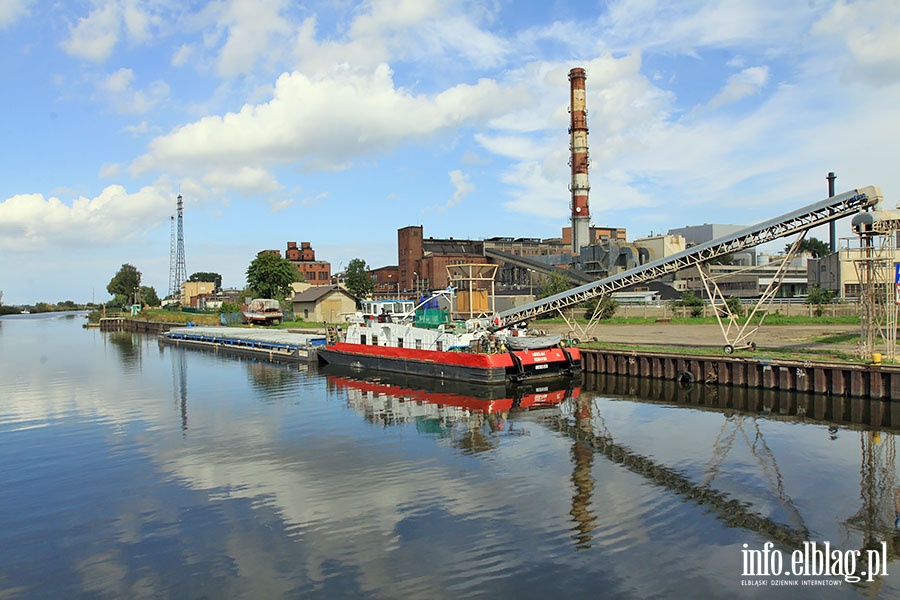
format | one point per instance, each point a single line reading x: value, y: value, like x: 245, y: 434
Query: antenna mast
x: 177, y: 268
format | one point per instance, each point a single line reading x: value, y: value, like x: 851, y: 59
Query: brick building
x: 316, y: 272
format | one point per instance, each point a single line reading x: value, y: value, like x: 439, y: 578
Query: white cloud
x: 140, y: 129
x: 31, y: 221
x: 119, y: 90
x: 13, y: 10
x: 320, y: 123
x: 869, y: 31
x: 182, y: 55
x: 109, y: 170
x: 419, y: 31
x: 740, y: 85
x: 462, y: 187
x: 95, y: 35
x: 252, y: 30
x: 245, y: 180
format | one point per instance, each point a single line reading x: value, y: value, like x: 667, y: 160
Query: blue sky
x: 339, y: 122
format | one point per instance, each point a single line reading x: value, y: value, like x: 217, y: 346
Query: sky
x: 340, y: 122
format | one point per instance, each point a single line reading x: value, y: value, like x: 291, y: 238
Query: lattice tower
x: 180, y: 268
x: 874, y: 262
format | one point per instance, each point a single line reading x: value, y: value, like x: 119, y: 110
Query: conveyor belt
x: 799, y: 220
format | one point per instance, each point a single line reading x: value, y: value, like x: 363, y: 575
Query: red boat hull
x: 519, y: 365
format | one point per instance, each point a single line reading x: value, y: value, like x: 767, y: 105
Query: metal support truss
x: 741, y: 336
x: 803, y: 219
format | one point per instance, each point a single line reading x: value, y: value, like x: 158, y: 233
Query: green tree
x: 213, y: 278
x: 357, y: 279
x: 271, y: 276
x: 725, y: 259
x: 125, y: 284
x: 814, y: 246
x: 690, y: 300
x: 555, y: 283
x: 229, y: 308
x: 608, y: 307
x: 735, y: 306
x: 149, y: 296
x: 819, y: 297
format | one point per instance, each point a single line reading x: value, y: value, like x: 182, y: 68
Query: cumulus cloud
x: 250, y: 30
x: 31, y: 221
x: 94, y: 36
x: 320, y: 123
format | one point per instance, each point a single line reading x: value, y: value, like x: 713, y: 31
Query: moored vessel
x: 429, y: 343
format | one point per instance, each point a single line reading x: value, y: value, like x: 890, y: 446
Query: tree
x: 125, y: 284
x: 816, y: 247
x: 271, y: 276
x: 149, y: 296
x: 357, y: 279
x: 819, y: 297
x: 735, y: 306
x: 556, y: 283
x: 692, y: 301
x: 607, y: 307
x: 725, y: 259
x: 213, y: 278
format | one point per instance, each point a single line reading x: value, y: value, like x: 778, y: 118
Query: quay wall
x: 879, y: 382
x: 135, y: 325
x: 855, y: 413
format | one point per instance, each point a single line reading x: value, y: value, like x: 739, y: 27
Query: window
x: 362, y: 339
x: 439, y: 345
x: 399, y: 342
x: 374, y: 340
x: 418, y: 344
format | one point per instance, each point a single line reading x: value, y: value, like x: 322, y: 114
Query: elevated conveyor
x: 575, y: 277
x: 797, y: 221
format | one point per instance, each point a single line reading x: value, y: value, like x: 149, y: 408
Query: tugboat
x: 427, y: 342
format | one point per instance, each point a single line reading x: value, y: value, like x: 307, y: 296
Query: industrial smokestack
x: 578, y: 146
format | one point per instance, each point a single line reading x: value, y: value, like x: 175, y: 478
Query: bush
x: 608, y: 307
x: 692, y: 301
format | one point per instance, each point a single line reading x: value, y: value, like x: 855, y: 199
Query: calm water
x: 133, y: 470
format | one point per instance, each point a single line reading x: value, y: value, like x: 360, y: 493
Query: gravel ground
x: 710, y: 335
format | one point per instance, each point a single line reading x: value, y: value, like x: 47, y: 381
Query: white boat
x: 263, y: 311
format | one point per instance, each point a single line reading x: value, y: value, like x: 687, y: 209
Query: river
x: 130, y: 469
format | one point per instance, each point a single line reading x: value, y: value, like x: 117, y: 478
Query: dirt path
x: 710, y: 335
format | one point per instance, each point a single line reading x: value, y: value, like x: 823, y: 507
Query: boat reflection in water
x: 437, y: 406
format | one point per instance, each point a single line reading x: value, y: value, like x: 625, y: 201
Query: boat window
x: 439, y: 345
x: 399, y: 342
x: 374, y: 340
x: 362, y: 339
x: 418, y: 344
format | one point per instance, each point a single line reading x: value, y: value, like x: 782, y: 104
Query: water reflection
x: 199, y: 475
x: 128, y: 348
x: 875, y: 525
x: 179, y: 386
x: 469, y: 415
